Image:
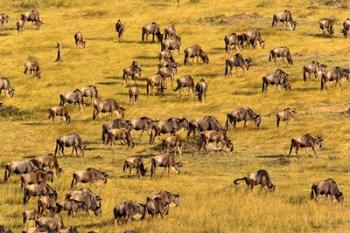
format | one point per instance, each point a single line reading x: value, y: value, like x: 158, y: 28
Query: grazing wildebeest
x: 172, y: 44
x: 156, y: 81
x: 286, y: 115
x: 133, y: 71
x: 90, y: 175
x: 242, y: 114
x: 20, y: 167
x: 115, y: 124
x: 50, y: 224
x: 202, y: 124
x: 217, y: 137
x: 51, y: 162
x: 306, y: 141
x: 37, y: 190
x: 20, y: 26
x: 79, y: 40
x: 183, y: 82
x: 75, y: 97
x: 71, y: 140
x: 167, y: 72
x: 170, y: 32
x: 314, y: 67
x: 4, y: 229
x: 31, y: 214
x: 326, y: 25
x: 172, y: 125
x: 119, y: 28
x: 166, y: 161
x: 3, y: 20
x: 36, y: 177
x: 152, y: 28
x: 284, y: 17
x: 107, y: 105
x: 172, y: 144
x: 6, y: 86
x: 47, y: 202
x: 236, y: 61
x: 166, y: 55
x: 32, y: 16
x: 201, y: 89
x: 260, y: 177
x: 156, y: 206
x: 346, y: 28
x: 89, y: 91
x: 59, y: 111
x: 336, y: 74
x: 121, y: 134
x: 133, y: 95
x: 134, y: 162
x: 128, y: 211
x: 278, y: 78
x: 88, y: 198
x: 143, y: 124
x: 282, y: 52
x: 71, y: 206
x: 230, y: 41
x: 32, y: 67
x: 326, y: 187
x: 172, y: 199
x: 253, y: 37
x: 195, y: 51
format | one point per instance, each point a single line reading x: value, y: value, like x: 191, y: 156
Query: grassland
x: 209, y: 202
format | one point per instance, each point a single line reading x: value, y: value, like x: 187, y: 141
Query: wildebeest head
x: 340, y: 197
x: 262, y: 44
x: 182, y: 123
x: 249, y: 61
x: 159, y: 36
x: 257, y: 119
x: 121, y: 111
x: 205, y: 58
x: 290, y: 60
x: 319, y: 141
x: 11, y: 92
x: 229, y: 145
x: 49, y: 176
x: 293, y: 25
x: 271, y: 187
x: 345, y: 72
x: 143, y: 170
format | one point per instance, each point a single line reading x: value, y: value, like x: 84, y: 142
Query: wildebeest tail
x: 61, y: 100
x: 7, y: 172
x: 236, y: 180
x: 313, y: 193
x: 226, y: 66
x: 322, y: 82
x: 227, y: 121
x: 104, y: 131
x: 274, y: 20
x: 74, y: 180
x: 270, y: 56
x: 57, y: 146
x: 147, y: 87
x: 264, y: 83
x: 186, y: 56
x: 153, y: 166
x: 178, y: 85
x: 278, y: 120
x: 304, y: 73
x: 227, y: 44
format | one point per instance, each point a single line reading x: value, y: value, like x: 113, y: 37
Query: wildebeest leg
x: 286, y: 124
x: 291, y: 149
x: 73, y: 150
x: 245, y: 124
x: 313, y: 149
x: 62, y: 150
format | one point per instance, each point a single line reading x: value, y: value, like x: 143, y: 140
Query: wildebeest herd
x: 209, y: 133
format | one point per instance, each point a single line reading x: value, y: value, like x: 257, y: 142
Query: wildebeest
x: 242, y: 114
x: 36, y: 177
x: 107, y: 105
x: 134, y: 162
x: 121, y: 134
x: 286, y: 115
x: 69, y: 230
x: 71, y: 140
x: 59, y: 111
x: 282, y: 52
x: 155, y: 81
x: 336, y: 74
x: 156, y: 206
x: 30, y: 214
x: 133, y: 95
x: 326, y: 187
x: 71, y: 206
x: 166, y: 161
x: 79, y: 40
x: 213, y: 136
x: 32, y: 16
x: 89, y: 199
x: 90, y: 175
x: 51, y: 162
x: 50, y: 224
x: 119, y: 28
x: 284, y: 17
x: 236, y: 61
x: 31, y: 67
x: 143, y: 124
x: 170, y: 32
x: 230, y: 41
x: 152, y: 28
x: 314, y: 67
x: 4, y: 229
x: 3, y: 20
x: 172, y: 144
x: 128, y: 211
x: 260, y: 177
x: 201, y: 89
x: 133, y: 71
x: 253, y: 37
x: 75, y: 97
x: 166, y: 55
x: 172, y: 199
x: 6, y: 86
x: 202, y: 124
x: 326, y: 25
x: 183, y: 82
x: 278, y: 78
x: 172, y: 125
x: 89, y: 91
x: 20, y: 26
x: 346, y: 28
x: 115, y: 124
x: 306, y: 141
x: 20, y: 167
x: 167, y: 72
x: 47, y: 202
x: 37, y: 190
x: 195, y: 51
x: 172, y: 44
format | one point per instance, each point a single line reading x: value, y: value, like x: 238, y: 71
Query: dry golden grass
x: 209, y: 202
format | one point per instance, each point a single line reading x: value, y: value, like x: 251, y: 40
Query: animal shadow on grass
x: 319, y: 35
x: 95, y: 225
x: 106, y: 83
x: 128, y: 41
x: 245, y: 92
x: 209, y: 75
x: 101, y: 38
x: 38, y: 123
x: 4, y: 34
x: 146, y: 57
